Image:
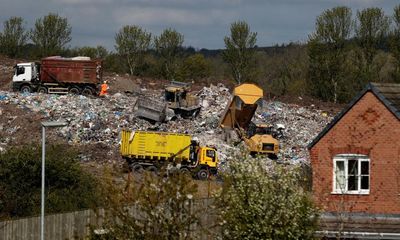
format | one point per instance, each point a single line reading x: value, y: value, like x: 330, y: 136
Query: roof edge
x: 384, y: 100
x: 369, y: 87
x: 340, y: 115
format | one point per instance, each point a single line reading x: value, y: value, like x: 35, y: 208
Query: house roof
x: 387, y: 93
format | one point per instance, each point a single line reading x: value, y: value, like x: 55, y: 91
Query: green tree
x: 327, y: 51
x: 114, y: 63
x: 92, y: 52
x: 284, y: 72
x: 68, y: 187
x: 264, y: 200
x: 169, y: 48
x: 195, y: 67
x: 239, y: 52
x: 51, y: 34
x: 14, y: 37
x: 101, y: 52
x: 160, y: 208
x: 132, y: 42
x: 372, y: 27
x: 395, y: 42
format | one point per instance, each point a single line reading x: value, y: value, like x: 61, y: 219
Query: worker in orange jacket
x: 103, y: 89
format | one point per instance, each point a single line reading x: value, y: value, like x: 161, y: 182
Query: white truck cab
x: 24, y: 74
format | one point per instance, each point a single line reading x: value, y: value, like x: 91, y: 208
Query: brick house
x: 356, y: 167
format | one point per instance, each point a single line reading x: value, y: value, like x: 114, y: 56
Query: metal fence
x: 76, y: 225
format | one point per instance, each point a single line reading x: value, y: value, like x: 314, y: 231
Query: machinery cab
x: 180, y: 100
x: 175, y: 96
x: 25, y: 72
x: 261, y: 140
x: 263, y: 144
x: 259, y: 129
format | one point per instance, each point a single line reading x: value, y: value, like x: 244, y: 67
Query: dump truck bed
x: 155, y: 145
x: 70, y: 70
x: 240, y: 110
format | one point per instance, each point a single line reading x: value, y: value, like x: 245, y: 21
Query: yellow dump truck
x: 151, y: 150
x: 238, y: 115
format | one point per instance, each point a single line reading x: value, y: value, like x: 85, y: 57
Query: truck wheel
x: 272, y: 156
x: 152, y: 169
x: 74, y: 91
x: 87, y: 91
x: 137, y: 168
x: 185, y: 171
x: 26, y: 89
x: 196, y: 113
x: 42, y: 90
x: 203, y: 174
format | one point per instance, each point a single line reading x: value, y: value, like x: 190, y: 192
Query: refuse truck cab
x: 24, y: 75
x: 148, y: 150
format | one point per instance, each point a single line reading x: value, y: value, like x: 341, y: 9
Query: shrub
x: 67, y: 186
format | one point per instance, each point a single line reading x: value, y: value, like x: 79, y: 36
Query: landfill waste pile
x: 100, y: 120
x: 302, y: 125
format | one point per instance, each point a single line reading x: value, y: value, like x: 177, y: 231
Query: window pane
x: 210, y: 153
x: 340, y: 176
x: 352, y: 183
x: 20, y: 70
x: 365, y: 168
x: 365, y: 182
x: 353, y: 167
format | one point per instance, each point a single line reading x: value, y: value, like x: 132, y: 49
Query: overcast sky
x: 204, y: 23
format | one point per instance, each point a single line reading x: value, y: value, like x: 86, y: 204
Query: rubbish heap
x: 100, y: 120
x: 302, y: 125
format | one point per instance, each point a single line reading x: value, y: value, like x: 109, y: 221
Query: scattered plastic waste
x: 100, y: 120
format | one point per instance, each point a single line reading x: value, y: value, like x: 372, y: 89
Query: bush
x: 67, y: 186
x: 152, y: 207
x: 260, y: 202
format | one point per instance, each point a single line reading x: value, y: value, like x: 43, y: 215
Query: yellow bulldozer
x: 177, y: 99
x: 180, y: 100
x: 238, y: 117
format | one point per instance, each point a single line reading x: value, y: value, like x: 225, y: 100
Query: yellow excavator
x: 238, y: 115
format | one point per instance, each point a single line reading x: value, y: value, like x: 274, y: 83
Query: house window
x: 351, y: 174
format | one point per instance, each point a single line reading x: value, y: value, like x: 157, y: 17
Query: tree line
x: 345, y: 53
x: 342, y: 54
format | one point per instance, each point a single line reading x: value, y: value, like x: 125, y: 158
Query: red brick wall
x: 367, y: 128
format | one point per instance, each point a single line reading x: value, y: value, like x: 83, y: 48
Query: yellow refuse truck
x: 150, y: 150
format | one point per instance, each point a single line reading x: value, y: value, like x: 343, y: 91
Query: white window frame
x: 345, y: 158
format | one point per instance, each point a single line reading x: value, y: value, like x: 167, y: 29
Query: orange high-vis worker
x: 104, y: 88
